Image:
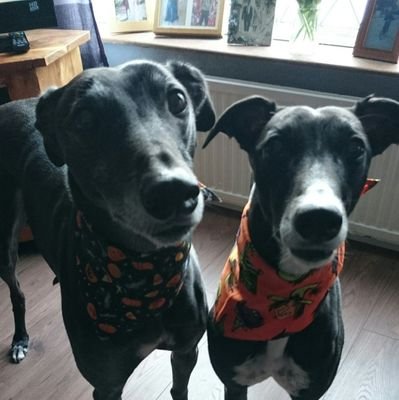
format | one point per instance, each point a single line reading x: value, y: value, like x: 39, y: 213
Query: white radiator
x: 224, y: 167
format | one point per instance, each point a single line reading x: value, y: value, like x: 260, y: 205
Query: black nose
x: 166, y: 197
x: 318, y: 224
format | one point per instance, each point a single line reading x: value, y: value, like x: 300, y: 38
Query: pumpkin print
x: 91, y: 310
x: 131, y: 302
x: 155, y: 305
x: 285, y: 311
x: 107, y: 328
x: 115, y: 254
x: 91, y: 276
x: 114, y: 270
x: 174, y: 281
x: 143, y: 266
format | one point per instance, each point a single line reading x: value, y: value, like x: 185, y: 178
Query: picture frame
x: 189, y: 18
x: 251, y: 22
x: 131, y: 15
x: 378, y: 35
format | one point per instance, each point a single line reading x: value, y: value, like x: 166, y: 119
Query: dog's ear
x: 244, y: 120
x: 45, y: 123
x: 192, y: 79
x: 380, y: 120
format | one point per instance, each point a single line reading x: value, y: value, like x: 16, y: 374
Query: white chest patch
x: 273, y: 363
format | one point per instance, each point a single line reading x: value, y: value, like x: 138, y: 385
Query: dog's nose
x: 318, y: 224
x: 167, y: 197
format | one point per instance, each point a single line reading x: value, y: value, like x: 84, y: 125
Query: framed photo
x: 189, y: 17
x: 251, y: 22
x: 378, y: 36
x: 131, y: 15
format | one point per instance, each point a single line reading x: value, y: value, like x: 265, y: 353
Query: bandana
x: 122, y: 289
x: 257, y: 302
x: 370, y: 183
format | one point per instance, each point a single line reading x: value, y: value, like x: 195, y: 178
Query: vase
x: 304, y: 37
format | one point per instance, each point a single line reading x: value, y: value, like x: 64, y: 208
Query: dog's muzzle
x: 314, y: 224
x: 317, y: 227
x: 318, y: 224
x: 165, y: 198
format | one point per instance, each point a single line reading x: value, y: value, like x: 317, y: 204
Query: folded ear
x: 244, y: 121
x: 380, y: 120
x: 193, y: 80
x: 45, y: 123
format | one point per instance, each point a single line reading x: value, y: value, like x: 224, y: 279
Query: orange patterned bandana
x: 370, y: 183
x: 256, y: 302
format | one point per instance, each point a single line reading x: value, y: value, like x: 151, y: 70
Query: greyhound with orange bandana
x: 278, y: 308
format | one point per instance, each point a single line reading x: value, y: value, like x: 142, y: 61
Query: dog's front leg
x: 20, y: 341
x: 11, y: 222
x: 115, y: 394
x: 182, y: 366
x: 235, y: 393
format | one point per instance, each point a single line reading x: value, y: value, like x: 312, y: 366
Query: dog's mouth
x: 174, y: 233
x: 177, y: 230
x: 312, y: 255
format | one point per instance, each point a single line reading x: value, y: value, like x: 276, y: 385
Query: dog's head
x: 127, y: 136
x: 310, y: 166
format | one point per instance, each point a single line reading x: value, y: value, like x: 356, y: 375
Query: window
x: 339, y: 20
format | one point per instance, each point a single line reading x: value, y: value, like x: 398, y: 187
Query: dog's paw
x: 18, y: 351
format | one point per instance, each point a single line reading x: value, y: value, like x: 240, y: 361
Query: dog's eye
x: 177, y: 102
x: 356, y: 149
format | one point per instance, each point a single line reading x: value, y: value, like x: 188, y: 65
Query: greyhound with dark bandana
x: 108, y: 189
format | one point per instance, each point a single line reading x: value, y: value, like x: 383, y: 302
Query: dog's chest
x: 272, y: 363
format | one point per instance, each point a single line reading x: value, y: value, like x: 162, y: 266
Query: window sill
x: 328, y: 56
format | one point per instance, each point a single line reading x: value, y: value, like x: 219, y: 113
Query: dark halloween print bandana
x: 122, y: 289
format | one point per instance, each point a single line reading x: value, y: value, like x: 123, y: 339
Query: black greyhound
x: 108, y: 190
x: 278, y: 308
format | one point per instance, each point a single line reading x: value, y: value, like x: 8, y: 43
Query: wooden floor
x: 370, y: 363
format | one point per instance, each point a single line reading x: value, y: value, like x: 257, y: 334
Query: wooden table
x: 53, y: 60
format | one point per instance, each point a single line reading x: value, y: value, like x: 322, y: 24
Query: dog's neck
x: 103, y: 224
x: 105, y: 227
x: 260, y: 229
